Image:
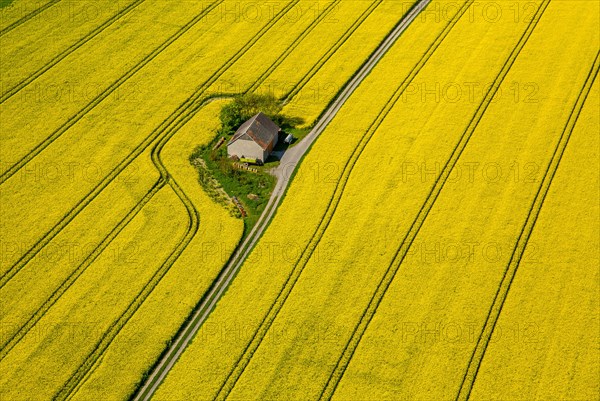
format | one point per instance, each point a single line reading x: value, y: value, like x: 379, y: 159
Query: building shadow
x: 285, y: 138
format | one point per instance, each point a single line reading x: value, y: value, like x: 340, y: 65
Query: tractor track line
x: 7, y: 346
x: 68, y: 282
x: 385, y: 282
x: 157, y: 133
x: 294, y: 45
x: 255, y: 342
x: 105, y: 94
x: 192, y: 229
x: 193, y: 226
x: 526, y: 231
x: 29, y: 16
x: 188, y: 331
x: 144, y: 293
x: 330, y: 52
x: 75, y: 46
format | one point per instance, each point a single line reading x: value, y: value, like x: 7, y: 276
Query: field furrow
x: 428, y: 204
x: 92, y: 304
x: 437, y: 303
x: 14, y: 15
x: 124, y: 148
x: 519, y: 250
x: 552, y: 299
x: 74, y: 252
x: 192, y: 274
x: 335, y: 67
x: 49, y: 47
x: 71, y: 91
x: 295, y: 89
x: 316, y: 20
x: 423, y: 229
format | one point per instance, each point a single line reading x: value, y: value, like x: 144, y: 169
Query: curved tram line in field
x: 29, y: 16
x: 66, y: 284
x: 402, y: 250
x: 243, y: 361
x: 75, y: 46
x: 103, y: 95
x: 192, y: 229
x: 294, y: 155
x: 23, y: 330
x: 85, y: 368
x: 521, y: 243
x: 193, y: 102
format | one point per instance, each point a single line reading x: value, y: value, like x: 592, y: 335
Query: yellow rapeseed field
x: 103, y: 288
x: 28, y: 53
x: 548, y: 345
x: 319, y: 86
x: 380, y: 210
x: 13, y: 13
x: 434, y: 243
x: 191, y: 275
x: 66, y: 256
x: 177, y: 222
x: 55, y: 98
x: 333, y: 39
x: 94, y: 146
x: 205, y: 365
x: 64, y: 336
x: 434, y: 310
x: 413, y: 340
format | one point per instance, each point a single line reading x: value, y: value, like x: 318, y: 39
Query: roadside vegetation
x: 225, y: 179
x: 389, y: 261
x: 372, y: 224
x: 97, y: 161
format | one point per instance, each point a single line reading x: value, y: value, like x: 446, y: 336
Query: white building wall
x: 248, y: 149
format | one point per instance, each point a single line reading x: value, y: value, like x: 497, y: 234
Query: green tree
x: 244, y: 107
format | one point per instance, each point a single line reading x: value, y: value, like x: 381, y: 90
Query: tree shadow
x: 288, y: 122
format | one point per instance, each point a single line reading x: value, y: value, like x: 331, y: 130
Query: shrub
x: 244, y: 107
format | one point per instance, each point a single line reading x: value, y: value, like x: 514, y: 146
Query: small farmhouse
x: 255, y: 139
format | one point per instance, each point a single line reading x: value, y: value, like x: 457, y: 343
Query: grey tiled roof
x: 260, y: 128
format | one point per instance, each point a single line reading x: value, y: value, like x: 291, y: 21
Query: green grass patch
x: 217, y: 172
x: 6, y: 3
x: 252, y: 189
x: 298, y: 133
